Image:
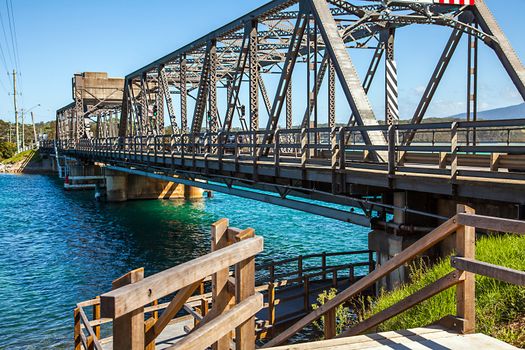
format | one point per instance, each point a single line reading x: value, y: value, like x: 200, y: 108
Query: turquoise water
x: 58, y: 248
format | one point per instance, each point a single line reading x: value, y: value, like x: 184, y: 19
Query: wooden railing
x: 305, y: 276
x: 444, y: 149
x: 464, y: 225
x: 299, y: 274
x: 234, y: 299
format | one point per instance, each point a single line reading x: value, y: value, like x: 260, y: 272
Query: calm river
x: 58, y: 248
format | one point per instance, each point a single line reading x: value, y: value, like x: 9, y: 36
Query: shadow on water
x: 58, y: 248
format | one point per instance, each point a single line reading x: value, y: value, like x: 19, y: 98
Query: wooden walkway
x: 434, y: 338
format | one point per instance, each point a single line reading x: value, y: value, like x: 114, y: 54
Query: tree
x: 7, y: 150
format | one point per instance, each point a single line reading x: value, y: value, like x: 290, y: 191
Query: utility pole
x: 17, y: 134
x: 23, y: 131
x: 34, y: 129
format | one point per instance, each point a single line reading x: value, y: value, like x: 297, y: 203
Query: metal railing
x: 438, y: 149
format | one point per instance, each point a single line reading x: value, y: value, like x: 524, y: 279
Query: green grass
x: 19, y: 157
x: 500, y: 307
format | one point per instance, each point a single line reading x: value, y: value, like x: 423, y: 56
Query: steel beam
x: 183, y: 87
x: 254, y: 78
x: 346, y: 72
x: 284, y: 81
x: 200, y: 105
x: 435, y: 79
x: 501, y: 46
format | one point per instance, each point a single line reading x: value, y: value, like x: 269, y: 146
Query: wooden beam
x: 465, y: 291
x: 221, y: 325
x: 420, y: 246
x: 128, y: 298
x: 491, y: 223
x: 173, y: 308
x: 489, y: 270
x: 128, y: 327
x: 423, y: 294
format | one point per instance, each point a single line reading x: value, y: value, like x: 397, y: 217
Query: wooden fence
x: 235, y: 300
x: 463, y: 225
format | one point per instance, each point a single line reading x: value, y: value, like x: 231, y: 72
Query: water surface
x: 58, y: 248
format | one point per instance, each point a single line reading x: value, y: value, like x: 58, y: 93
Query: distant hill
x: 510, y: 112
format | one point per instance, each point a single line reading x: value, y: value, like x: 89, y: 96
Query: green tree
x: 7, y: 150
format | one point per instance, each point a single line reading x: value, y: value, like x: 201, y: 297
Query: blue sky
x: 57, y: 38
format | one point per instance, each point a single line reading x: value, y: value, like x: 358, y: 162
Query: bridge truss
x: 238, y: 81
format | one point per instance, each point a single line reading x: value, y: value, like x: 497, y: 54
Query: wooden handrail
x: 500, y: 273
x: 492, y: 223
x: 128, y: 298
x: 213, y: 330
x: 425, y: 293
x: 406, y: 255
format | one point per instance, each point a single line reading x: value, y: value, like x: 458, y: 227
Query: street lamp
x: 23, y: 124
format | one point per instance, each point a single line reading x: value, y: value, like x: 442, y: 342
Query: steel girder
x: 240, y: 51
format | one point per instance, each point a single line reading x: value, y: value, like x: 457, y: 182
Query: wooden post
x: 465, y: 291
x: 351, y: 275
x: 323, y: 265
x: 204, y: 306
x: 306, y: 291
x: 96, y: 316
x: 371, y: 264
x: 245, y: 288
x: 329, y: 324
x: 77, y: 329
x: 334, y: 278
x: 155, y: 313
x: 128, y: 330
x: 221, y: 295
x: 271, y: 303
x: 300, y: 266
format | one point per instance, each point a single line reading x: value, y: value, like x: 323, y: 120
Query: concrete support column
x: 387, y: 243
x: 116, y: 186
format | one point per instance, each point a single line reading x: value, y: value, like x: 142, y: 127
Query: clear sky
x: 57, y: 38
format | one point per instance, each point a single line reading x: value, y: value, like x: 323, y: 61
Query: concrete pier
x: 121, y: 187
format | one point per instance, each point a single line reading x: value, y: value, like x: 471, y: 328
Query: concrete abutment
x: 121, y: 187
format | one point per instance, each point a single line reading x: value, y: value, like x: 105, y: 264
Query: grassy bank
x: 20, y: 157
x: 500, y: 307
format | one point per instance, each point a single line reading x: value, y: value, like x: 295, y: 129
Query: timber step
x: 433, y: 337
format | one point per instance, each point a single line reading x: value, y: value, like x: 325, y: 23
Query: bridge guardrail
x: 435, y: 149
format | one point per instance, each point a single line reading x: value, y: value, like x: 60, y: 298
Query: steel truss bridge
x: 222, y: 80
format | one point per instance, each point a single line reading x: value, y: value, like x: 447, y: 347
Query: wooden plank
x: 123, y: 300
x: 128, y: 327
x: 221, y: 295
x: 215, y: 329
x: 423, y: 244
x: 465, y: 291
x: 423, y: 294
x: 492, y: 223
x: 489, y: 270
x: 173, y: 308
